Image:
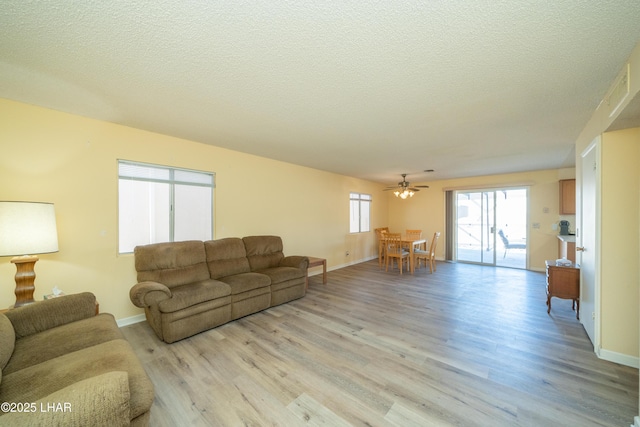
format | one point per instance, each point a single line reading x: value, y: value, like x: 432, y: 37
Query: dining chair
x: 414, y: 235
x: 427, y: 256
x: 380, y: 232
x: 394, y: 250
x: 508, y: 245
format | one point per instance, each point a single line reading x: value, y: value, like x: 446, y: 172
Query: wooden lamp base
x: 25, y: 279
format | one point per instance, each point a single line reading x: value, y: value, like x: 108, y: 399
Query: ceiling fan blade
x: 421, y: 186
x: 412, y: 189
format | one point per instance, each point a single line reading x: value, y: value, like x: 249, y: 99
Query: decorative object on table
x: 55, y: 293
x: 27, y: 228
x: 563, y: 262
x: 404, y: 188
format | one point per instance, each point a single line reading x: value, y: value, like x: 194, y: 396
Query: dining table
x: 412, y: 242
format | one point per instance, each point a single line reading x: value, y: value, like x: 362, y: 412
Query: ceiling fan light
x: 404, y: 191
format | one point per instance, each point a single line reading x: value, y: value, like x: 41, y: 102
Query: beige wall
x: 619, y: 294
x: 426, y: 209
x: 620, y: 157
x: 71, y: 161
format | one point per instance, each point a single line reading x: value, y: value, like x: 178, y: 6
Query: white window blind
x: 162, y: 204
x: 359, y: 208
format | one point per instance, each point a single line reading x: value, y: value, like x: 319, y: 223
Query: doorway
x: 491, y: 227
x: 587, y: 235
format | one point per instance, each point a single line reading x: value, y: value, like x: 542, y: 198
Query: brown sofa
x: 192, y: 286
x: 61, y: 364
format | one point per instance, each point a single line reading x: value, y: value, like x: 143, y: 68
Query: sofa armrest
x: 42, y: 315
x: 143, y: 294
x: 102, y: 400
x: 296, y: 261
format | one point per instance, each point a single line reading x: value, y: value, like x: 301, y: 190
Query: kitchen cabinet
x: 567, y: 247
x: 567, y: 197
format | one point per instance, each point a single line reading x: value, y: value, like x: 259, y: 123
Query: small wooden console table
x: 563, y: 282
x: 317, y: 262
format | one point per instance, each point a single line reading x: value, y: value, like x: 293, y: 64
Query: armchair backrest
x: 263, y: 251
x: 7, y: 341
x: 172, y: 263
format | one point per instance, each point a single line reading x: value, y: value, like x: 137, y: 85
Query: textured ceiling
x: 364, y: 88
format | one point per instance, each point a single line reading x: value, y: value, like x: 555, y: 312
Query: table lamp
x: 27, y: 228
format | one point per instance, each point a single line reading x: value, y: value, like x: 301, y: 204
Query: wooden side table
x: 317, y: 262
x: 563, y: 282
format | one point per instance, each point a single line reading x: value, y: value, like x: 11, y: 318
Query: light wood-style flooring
x: 466, y: 346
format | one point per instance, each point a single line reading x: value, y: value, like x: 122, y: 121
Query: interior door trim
x: 594, y: 145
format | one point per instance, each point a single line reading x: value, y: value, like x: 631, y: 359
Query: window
x: 162, y: 204
x: 360, y: 207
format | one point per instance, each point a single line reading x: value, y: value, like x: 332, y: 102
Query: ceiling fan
x: 404, y: 188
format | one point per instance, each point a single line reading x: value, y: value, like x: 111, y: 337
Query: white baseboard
x: 130, y: 320
x: 619, y: 358
x: 337, y: 267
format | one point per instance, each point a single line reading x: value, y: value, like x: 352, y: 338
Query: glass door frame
x: 488, y: 240
x: 481, y: 242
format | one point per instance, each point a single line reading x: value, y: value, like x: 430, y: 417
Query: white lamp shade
x: 27, y: 228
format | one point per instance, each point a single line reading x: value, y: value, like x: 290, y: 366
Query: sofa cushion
x: 7, y: 342
x: 194, y: 293
x: 244, y: 282
x: 226, y: 257
x: 63, y: 339
x: 263, y: 251
x: 282, y: 274
x: 102, y: 400
x: 39, y: 381
x: 172, y: 263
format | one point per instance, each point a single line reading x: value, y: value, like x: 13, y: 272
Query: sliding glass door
x: 491, y: 227
x: 476, y: 222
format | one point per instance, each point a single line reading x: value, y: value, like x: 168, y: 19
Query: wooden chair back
x: 394, y: 250
x: 428, y: 256
x: 380, y: 233
x: 414, y: 234
x: 393, y: 243
x: 434, y: 243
